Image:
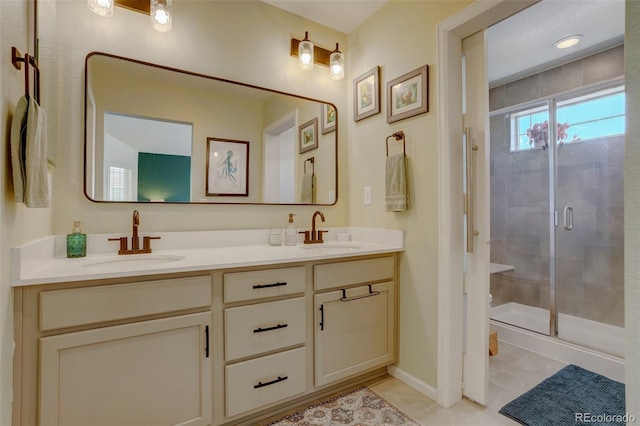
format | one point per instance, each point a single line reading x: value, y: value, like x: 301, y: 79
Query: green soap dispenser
x: 76, y: 241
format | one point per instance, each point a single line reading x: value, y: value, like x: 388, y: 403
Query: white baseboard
x: 414, y: 382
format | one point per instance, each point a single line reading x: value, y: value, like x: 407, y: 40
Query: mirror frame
x: 219, y: 79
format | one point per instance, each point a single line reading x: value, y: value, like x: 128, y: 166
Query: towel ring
x: 398, y: 136
x: 311, y: 160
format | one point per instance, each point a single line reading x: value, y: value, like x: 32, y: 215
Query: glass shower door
x: 521, y: 222
x: 590, y: 232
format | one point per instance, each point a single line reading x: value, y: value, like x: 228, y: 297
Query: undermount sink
x: 132, y: 261
x: 331, y: 246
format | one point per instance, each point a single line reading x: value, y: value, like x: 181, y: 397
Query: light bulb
x: 305, y: 54
x: 101, y: 7
x: 336, y: 64
x: 161, y: 15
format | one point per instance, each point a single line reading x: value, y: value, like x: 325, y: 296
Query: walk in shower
x: 557, y: 217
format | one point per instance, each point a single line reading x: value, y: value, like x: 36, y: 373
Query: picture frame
x: 366, y: 94
x: 408, y: 95
x: 227, y: 171
x: 308, y: 135
x: 329, y: 117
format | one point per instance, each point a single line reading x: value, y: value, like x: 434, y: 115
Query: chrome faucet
x: 135, y: 239
x: 315, y: 236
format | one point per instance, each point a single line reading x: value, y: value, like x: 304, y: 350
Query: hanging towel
x: 36, y: 192
x: 396, y: 195
x: 308, y: 194
x: 18, y: 141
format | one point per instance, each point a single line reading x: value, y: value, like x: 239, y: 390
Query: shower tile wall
x: 590, y: 258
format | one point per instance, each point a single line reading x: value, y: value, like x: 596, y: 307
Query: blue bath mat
x: 572, y: 396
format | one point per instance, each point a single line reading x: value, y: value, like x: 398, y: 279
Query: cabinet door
x: 354, y: 331
x: 148, y: 373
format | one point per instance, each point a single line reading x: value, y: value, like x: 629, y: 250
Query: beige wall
x: 243, y: 41
x: 632, y: 208
x: 17, y: 223
x: 399, y: 38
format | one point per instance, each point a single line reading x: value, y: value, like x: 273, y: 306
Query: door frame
x: 477, y: 17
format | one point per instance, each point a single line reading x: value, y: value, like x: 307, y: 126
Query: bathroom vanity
x: 200, y: 336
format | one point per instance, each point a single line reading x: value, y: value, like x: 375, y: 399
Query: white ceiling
x: 518, y: 46
x: 523, y: 43
x: 341, y: 15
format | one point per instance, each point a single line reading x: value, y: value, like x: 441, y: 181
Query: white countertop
x: 44, y: 261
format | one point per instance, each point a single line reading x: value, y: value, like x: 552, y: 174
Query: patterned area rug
x: 361, y: 407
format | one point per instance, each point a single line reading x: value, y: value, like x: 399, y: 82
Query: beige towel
x: 308, y: 193
x: 396, y: 195
x: 18, y: 138
x: 36, y: 191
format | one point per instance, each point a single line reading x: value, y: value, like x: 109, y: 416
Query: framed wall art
x: 227, y: 167
x: 309, y: 135
x: 329, y: 116
x: 366, y: 94
x: 408, y: 95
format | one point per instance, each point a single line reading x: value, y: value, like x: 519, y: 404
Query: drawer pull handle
x: 269, y: 285
x: 344, y: 297
x: 278, y: 380
x: 275, y: 327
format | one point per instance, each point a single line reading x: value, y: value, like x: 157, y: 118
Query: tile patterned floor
x: 512, y: 372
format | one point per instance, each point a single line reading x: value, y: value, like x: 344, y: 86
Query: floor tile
x: 403, y: 396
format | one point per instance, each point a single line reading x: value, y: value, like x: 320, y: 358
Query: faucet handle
x: 306, y: 236
x: 320, y: 235
x: 123, y: 243
x: 146, y: 243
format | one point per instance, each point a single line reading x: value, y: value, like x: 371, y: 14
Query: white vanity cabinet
x: 355, y: 326
x: 225, y: 346
x: 119, y: 354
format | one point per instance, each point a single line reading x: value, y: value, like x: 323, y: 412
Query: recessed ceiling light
x: 565, y: 42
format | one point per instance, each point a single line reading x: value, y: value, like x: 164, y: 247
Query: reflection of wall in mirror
x: 324, y: 155
x: 212, y: 116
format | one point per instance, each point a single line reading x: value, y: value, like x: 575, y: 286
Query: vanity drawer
x: 262, y: 381
x: 343, y: 274
x: 255, y: 329
x: 240, y: 286
x: 90, y: 305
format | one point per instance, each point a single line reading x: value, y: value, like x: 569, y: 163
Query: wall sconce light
x: 305, y: 53
x: 161, y: 16
x: 336, y: 64
x: 309, y: 54
x: 101, y: 7
x: 158, y: 10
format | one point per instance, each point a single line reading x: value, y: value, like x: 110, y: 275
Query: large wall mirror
x: 158, y: 134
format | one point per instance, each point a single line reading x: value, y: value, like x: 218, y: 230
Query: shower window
x: 578, y: 118
x: 592, y: 116
x: 521, y: 122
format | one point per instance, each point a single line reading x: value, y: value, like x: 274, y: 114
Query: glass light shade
x: 161, y: 16
x: 101, y: 7
x: 336, y: 64
x: 305, y: 54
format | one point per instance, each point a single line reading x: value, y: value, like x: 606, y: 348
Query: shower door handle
x: 568, y: 218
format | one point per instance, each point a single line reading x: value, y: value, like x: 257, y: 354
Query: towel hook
x: 397, y: 135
